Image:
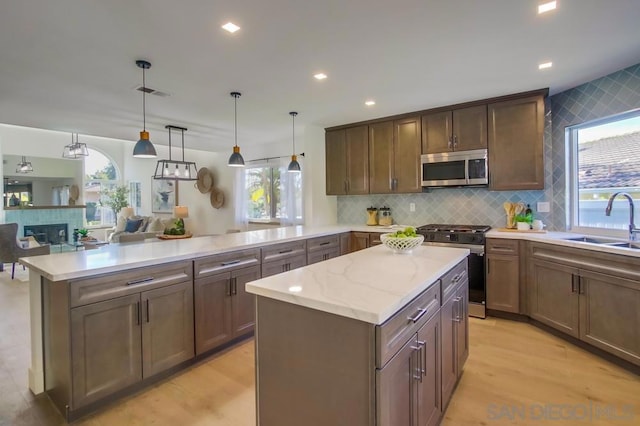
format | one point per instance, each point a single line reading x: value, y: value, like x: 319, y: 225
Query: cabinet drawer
x: 452, y: 278
x: 284, y: 265
x: 108, y: 286
x: 499, y: 246
x: 280, y: 251
x: 323, y: 243
x: 215, y: 264
x: 321, y: 255
x: 393, y: 334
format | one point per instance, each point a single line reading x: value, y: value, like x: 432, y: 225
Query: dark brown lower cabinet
x: 223, y: 309
x: 359, y: 241
x: 397, y: 382
x: 454, y: 315
x: 429, y: 385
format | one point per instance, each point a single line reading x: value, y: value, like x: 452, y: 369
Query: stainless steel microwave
x: 455, y: 168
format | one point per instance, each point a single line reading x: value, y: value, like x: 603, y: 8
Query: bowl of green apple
x: 403, y: 240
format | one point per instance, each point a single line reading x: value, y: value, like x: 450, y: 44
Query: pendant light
x: 24, y: 166
x: 75, y: 149
x: 294, y: 166
x: 174, y: 169
x: 144, y: 148
x: 236, y: 159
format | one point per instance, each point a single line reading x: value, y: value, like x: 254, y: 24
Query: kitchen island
x: 372, y: 338
x: 111, y: 321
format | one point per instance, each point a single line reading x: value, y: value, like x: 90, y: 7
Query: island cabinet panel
x: 223, y: 309
x: 317, y: 368
x: 359, y: 241
x: 283, y: 257
x: 106, y: 348
x: 322, y: 248
x: 516, y: 145
x: 345, y: 243
x: 128, y: 328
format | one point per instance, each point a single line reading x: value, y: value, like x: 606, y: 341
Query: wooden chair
x: 10, y: 248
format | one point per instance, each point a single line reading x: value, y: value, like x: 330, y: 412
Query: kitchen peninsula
x: 121, y: 292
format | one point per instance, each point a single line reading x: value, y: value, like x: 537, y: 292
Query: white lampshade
x: 127, y: 212
x: 181, y: 212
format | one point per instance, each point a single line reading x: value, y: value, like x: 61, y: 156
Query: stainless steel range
x: 470, y: 237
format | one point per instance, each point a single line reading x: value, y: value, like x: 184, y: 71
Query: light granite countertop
x: 368, y: 285
x: 562, y: 239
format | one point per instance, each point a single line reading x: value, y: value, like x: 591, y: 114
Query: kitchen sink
x: 592, y: 240
x: 627, y: 244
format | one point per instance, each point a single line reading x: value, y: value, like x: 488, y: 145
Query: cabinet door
x: 359, y: 241
x: 167, y: 327
x: 243, y: 304
x: 345, y: 243
x: 610, y: 314
x: 503, y: 283
x: 448, y: 349
x: 516, y: 157
x: 336, y: 162
x: 554, y: 296
x: 462, y: 326
x: 374, y: 239
x: 357, y: 150
x: 470, y: 128
x: 429, y: 403
x: 436, y: 132
x: 397, y: 388
x: 406, y: 159
x: 381, y: 157
x: 106, y: 348
x: 283, y: 265
x: 212, y: 296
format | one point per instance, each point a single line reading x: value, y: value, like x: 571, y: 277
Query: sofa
x: 146, y: 226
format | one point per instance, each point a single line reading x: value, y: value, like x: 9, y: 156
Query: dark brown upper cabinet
x: 347, y: 161
x: 516, y: 145
x: 394, y: 156
x: 455, y: 130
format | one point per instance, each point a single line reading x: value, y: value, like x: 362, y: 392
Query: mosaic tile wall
x: 612, y: 94
x: 72, y: 217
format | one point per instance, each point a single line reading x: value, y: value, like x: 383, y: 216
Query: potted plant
x: 116, y: 198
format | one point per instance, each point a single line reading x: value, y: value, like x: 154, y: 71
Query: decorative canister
x: 372, y: 216
x: 385, y: 216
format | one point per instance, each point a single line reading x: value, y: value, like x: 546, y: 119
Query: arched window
x: 100, y: 175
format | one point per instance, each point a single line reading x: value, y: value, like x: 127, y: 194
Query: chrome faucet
x: 632, y: 227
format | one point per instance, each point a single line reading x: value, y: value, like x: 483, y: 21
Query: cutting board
x: 531, y: 231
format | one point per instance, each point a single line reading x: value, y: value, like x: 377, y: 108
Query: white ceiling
x: 69, y: 65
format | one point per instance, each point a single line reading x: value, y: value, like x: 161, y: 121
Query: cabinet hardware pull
x: 456, y: 278
x: 325, y: 243
x: 573, y: 283
x: 419, y: 315
x: 235, y: 285
x: 417, y: 371
x: 231, y: 262
x: 285, y: 251
x: 449, y: 143
x: 455, y: 142
x: 228, y: 293
x: 140, y: 281
x: 138, y: 319
x: 456, y: 309
x: 147, y: 310
x: 580, y: 285
x: 423, y: 359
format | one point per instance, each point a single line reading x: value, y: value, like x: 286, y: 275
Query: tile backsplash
x: 613, y: 94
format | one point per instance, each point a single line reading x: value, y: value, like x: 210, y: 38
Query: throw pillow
x: 121, y: 223
x: 145, y: 223
x: 132, y: 225
x: 155, y: 225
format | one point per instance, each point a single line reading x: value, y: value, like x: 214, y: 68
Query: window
x: 100, y: 175
x: 605, y: 159
x: 273, y: 194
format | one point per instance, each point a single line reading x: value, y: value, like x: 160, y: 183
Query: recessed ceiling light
x: 546, y: 7
x: 545, y: 65
x: 231, y: 27
x: 370, y: 103
x: 320, y: 76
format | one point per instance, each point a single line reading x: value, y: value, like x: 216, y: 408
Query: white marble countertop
x: 561, y: 238
x: 120, y: 257
x: 369, y: 285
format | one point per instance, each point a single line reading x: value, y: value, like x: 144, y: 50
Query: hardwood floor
x: 516, y: 375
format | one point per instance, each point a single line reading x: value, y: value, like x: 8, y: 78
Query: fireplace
x: 48, y: 234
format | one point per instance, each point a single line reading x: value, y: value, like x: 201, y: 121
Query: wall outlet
x: 412, y: 207
x: 543, y: 207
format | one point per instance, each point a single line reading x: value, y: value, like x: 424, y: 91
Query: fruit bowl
x: 399, y: 244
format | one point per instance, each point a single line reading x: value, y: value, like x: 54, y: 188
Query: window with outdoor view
x: 100, y: 176
x: 273, y: 195
x: 605, y: 160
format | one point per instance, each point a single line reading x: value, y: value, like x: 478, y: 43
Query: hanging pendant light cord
x: 294, y: 133
x: 144, y: 110
x: 235, y: 109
